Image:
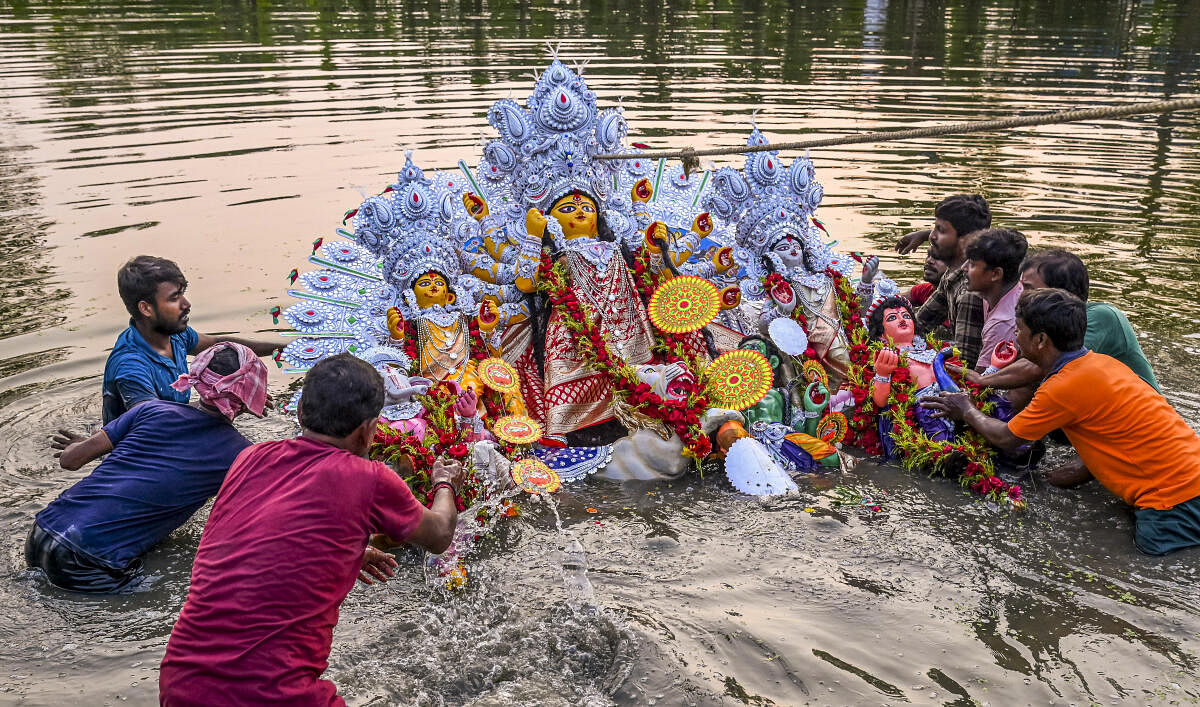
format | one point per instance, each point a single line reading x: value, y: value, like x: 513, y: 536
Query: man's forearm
x: 993, y: 430
x: 260, y: 348
x: 84, y: 451
x: 446, y: 510
x: 1069, y: 475
x: 1017, y: 374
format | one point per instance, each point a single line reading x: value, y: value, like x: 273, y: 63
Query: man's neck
x: 1045, y: 360
x: 206, y: 408
x: 157, y: 340
x: 994, y: 294
x: 339, y: 442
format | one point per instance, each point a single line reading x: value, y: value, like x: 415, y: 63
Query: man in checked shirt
x: 953, y: 313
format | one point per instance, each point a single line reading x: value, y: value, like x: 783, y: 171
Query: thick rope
x: 691, y: 155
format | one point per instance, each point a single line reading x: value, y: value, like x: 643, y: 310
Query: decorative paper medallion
x: 739, y: 379
x: 813, y: 371
x: 832, y: 428
x: 518, y: 429
x: 498, y: 374
x: 788, y: 335
x: 685, y: 303
x: 533, y: 476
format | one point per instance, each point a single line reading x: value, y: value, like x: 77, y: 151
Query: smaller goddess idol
x: 893, y: 322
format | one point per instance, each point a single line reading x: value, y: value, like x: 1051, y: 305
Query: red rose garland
x: 442, y: 436
x: 917, y: 450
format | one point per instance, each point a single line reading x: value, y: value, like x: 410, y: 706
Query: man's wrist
x: 972, y: 415
x: 443, y: 484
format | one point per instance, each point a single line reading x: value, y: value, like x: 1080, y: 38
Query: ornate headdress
x: 545, y: 149
x: 766, y: 201
x: 414, y: 226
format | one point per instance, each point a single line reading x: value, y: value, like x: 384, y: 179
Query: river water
x: 228, y: 134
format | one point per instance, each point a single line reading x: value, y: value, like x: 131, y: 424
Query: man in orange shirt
x: 1127, y: 434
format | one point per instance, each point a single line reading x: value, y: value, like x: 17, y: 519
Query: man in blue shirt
x: 153, y: 351
x: 165, y: 460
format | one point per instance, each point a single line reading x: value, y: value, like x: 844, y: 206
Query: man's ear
x: 146, y: 309
x: 775, y: 362
x: 366, y: 432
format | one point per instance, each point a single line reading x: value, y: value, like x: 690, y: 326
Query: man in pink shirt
x: 286, y: 539
x: 994, y: 273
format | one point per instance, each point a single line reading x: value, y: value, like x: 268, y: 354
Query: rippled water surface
x: 228, y: 135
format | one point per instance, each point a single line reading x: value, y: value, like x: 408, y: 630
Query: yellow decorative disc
x: 739, y: 379
x: 814, y: 371
x: 685, y: 303
x: 517, y: 429
x: 533, y: 476
x: 498, y: 374
x: 832, y: 428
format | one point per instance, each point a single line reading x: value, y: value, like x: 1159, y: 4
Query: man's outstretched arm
x: 957, y: 406
x: 260, y: 348
x: 911, y: 241
x: 1017, y: 374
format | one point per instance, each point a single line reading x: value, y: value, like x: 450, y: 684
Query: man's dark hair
x: 1000, y: 248
x: 875, y: 321
x: 1059, y: 314
x: 138, y: 280
x: 966, y: 212
x: 225, y: 361
x: 340, y: 393
x: 1060, y: 269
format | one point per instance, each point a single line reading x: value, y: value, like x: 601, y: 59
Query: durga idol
x: 538, y: 187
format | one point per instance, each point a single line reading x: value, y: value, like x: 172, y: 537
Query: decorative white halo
x: 788, y: 335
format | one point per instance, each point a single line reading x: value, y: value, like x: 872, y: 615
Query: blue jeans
x: 1159, y: 532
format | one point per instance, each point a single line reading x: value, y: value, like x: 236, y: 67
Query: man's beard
x: 168, y: 328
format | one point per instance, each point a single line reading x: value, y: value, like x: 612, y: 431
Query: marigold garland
x: 682, y: 416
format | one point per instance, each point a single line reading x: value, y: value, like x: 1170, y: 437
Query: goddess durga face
x: 577, y: 215
x: 431, y: 290
x: 790, y: 250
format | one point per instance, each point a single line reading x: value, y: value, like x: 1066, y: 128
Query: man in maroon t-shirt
x: 284, y: 542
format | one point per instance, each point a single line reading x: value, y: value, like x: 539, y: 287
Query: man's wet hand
x: 378, y: 564
x: 63, y: 439
x: 450, y: 471
x: 950, y: 405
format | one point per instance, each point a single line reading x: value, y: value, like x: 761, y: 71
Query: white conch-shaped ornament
x: 611, y: 129
x: 752, y: 470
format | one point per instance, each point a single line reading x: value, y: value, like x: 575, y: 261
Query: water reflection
x: 229, y: 134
